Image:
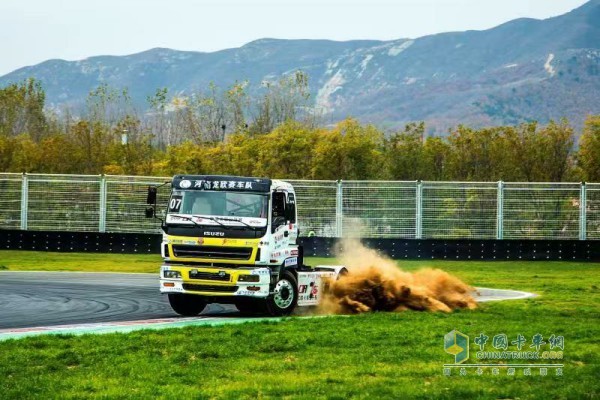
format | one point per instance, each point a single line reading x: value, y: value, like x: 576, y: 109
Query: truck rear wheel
x: 285, y: 296
x: 187, y: 305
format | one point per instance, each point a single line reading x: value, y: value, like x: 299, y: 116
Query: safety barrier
x: 374, y: 209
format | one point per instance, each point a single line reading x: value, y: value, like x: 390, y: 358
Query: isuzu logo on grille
x: 214, y: 233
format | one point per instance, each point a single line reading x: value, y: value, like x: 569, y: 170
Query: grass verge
x: 15, y: 260
x: 367, y: 356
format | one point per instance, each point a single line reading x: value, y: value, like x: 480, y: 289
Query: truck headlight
x: 171, y: 274
x: 248, y: 278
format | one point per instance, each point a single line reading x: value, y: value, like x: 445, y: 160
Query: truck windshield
x: 219, y: 203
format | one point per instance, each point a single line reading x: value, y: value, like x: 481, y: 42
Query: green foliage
x: 227, y: 132
x: 589, y: 151
x: 22, y: 109
x: 405, y: 154
x: 349, y: 151
x: 280, y: 102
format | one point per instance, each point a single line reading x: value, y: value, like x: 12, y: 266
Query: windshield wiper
x: 194, y: 222
x: 233, y: 220
x: 255, y: 228
x: 210, y: 219
x: 244, y: 223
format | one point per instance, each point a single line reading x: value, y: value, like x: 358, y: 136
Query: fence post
x: 500, y: 211
x: 582, y: 212
x: 24, y: 201
x: 102, y: 222
x: 339, y: 211
x: 419, y: 208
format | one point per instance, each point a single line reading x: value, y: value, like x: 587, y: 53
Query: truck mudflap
x: 313, y: 284
x: 215, y: 281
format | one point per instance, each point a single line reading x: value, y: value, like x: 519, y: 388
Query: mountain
x: 525, y: 69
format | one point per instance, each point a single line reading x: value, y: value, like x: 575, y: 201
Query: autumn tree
x: 281, y: 101
x: 22, y: 109
x: 287, y: 152
x: 404, y: 153
x: 349, y: 151
x: 589, y: 149
x: 476, y: 155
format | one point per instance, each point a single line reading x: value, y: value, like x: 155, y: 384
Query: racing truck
x: 234, y: 240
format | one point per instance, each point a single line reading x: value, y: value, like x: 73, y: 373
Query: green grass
x: 14, y: 260
x: 379, y: 355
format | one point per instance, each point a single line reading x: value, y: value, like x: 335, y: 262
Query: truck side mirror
x: 149, y: 212
x: 151, y: 199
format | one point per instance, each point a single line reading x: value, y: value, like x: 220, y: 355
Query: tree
x: 282, y: 101
x: 91, y: 140
x: 108, y: 105
x: 22, y: 109
x: 589, y: 149
x: 557, y: 141
x: 286, y: 152
x: 349, y: 151
x: 404, y: 153
x: 158, y: 121
x: 475, y: 155
x: 26, y: 156
x: 436, y: 152
x: 135, y: 157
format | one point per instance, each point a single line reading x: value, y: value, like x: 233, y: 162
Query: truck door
x: 290, y: 211
x: 284, y: 216
x: 278, y: 214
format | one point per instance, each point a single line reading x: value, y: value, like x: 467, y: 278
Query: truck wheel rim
x: 284, y: 294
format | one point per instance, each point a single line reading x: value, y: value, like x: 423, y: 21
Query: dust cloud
x: 375, y: 283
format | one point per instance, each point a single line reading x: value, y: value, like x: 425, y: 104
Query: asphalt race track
x: 29, y: 299
x: 33, y: 299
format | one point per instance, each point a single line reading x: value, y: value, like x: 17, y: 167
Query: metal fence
x: 412, y: 210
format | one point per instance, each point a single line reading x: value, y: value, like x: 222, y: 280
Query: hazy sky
x: 32, y: 31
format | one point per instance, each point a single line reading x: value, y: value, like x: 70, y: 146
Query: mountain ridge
x: 524, y: 69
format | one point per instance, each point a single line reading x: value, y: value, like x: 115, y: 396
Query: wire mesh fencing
x: 591, y: 217
x: 10, y: 201
x: 375, y: 209
x: 316, y: 202
x: 543, y: 211
x: 62, y: 202
x: 459, y: 210
x: 126, y: 203
x: 378, y: 209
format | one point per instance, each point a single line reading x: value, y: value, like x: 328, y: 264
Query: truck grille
x: 210, y: 276
x: 212, y: 252
x: 209, y: 288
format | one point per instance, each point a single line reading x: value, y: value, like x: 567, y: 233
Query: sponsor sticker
x: 260, y: 272
x: 291, y: 261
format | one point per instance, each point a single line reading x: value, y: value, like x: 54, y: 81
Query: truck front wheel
x: 187, y: 305
x: 285, y: 296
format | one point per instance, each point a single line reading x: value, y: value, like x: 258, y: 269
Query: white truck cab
x: 229, y: 239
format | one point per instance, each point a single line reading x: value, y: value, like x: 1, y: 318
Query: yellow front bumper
x: 214, y: 281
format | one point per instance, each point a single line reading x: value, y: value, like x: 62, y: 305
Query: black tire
x: 187, y: 305
x: 285, y: 298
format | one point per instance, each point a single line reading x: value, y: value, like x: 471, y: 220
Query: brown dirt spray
x: 375, y: 283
